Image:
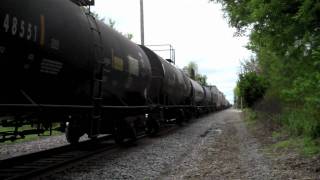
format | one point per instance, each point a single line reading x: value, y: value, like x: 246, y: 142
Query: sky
x: 196, y: 29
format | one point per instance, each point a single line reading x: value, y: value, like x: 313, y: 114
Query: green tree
x: 192, y: 71
x: 111, y: 23
x: 285, y: 37
x: 129, y: 36
x: 236, y: 95
x: 252, y: 88
x: 202, y: 79
x: 250, y: 65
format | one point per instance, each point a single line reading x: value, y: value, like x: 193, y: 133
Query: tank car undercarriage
x: 123, y: 122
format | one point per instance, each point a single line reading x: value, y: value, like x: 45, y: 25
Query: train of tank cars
x: 60, y: 64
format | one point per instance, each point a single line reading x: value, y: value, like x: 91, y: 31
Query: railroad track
x: 39, y: 163
x: 35, y: 164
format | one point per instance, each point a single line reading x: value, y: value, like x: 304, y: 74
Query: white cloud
x: 196, y: 29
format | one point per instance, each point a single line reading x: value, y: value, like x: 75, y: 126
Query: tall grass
x: 301, y: 122
x: 294, y: 127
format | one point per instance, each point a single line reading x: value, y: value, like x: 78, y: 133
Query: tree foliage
x: 202, y: 79
x: 251, y: 87
x: 250, y: 65
x: 192, y: 71
x: 285, y: 37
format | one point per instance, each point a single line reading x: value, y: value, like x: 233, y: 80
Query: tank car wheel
x: 188, y: 116
x: 153, y: 127
x: 197, y: 113
x: 119, y: 131
x: 118, y: 136
x: 72, y: 134
x: 180, y: 117
x: 132, y: 132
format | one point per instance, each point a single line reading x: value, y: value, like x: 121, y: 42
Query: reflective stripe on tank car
x: 133, y: 65
x: 50, y: 67
x: 117, y: 63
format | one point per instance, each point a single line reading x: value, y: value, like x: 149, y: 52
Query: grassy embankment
x: 290, y: 131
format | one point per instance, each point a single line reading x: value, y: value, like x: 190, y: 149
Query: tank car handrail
x: 41, y: 107
x: 65, y: 107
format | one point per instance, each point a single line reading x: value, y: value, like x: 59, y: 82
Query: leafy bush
x: 252, y: 87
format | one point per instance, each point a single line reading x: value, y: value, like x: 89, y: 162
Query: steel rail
x: 35, y: 164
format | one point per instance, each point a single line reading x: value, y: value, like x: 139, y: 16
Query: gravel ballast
x: 44, y: 143
x: 17, y: 149
x: 179, y: 155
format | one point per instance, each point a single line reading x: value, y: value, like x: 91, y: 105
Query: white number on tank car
x: 24, y: 29
x: 29, y: 34
x: 14, y: 26
x: 6, y: 22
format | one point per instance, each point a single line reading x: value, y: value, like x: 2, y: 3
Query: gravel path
x: 227, y: 152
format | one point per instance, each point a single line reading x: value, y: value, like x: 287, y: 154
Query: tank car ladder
x: 97, y: 85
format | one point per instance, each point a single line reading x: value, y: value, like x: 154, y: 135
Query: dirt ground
x: 232, y: 151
